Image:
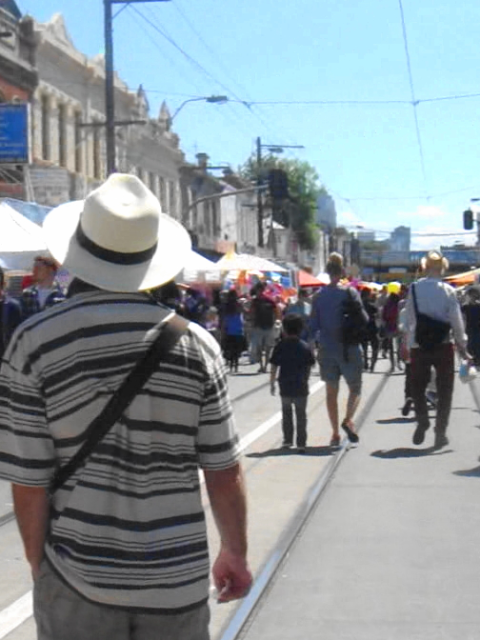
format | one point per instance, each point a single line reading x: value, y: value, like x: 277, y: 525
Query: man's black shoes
x: 419, y: 433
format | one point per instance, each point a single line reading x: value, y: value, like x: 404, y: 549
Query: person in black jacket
x: 10, y: 315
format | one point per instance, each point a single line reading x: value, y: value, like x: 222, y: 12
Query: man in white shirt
x: 437, y: 300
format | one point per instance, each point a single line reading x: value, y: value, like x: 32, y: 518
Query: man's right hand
x: 231, y: 576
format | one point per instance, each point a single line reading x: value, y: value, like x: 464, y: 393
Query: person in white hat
x: 432, y: 315
x: 120, y: 550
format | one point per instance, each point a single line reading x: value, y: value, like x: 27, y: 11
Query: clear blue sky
x: 367, y: 155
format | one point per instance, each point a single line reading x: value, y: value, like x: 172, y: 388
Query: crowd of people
x: 111, y: 518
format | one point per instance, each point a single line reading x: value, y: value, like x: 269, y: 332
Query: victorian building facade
x: 18, y: 80
x: 68, y: 133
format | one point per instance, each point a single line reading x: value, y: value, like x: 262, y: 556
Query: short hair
x: 335, y: 264
x: 47, y: 261
x: 293, y: 324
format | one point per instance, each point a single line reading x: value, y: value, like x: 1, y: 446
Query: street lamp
x: 211, y: 99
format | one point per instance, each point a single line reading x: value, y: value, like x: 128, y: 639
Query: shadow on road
x: 396, y: 421
x: 468, y: 473
x: 309, y: 451
x: 404, y: 452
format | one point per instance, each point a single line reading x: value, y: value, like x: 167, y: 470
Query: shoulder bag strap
x: 414, y: 295
x: 169, y: 334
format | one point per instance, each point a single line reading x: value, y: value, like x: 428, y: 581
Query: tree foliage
x: 299, y: 210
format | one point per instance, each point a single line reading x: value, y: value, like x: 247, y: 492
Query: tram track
x: 239, y: 623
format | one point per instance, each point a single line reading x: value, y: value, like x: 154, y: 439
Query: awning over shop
x: 306, y: 279
x: 247, y: 262
x: 20, y: 239
x: 465, y: 278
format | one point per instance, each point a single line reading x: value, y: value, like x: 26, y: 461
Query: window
x: 45, y: 110
x: 151, y: 182
x: 78, y: 142
x: 163, y: 196
x: 172, y: 199
x: 97, y: 160
x: 62, y: 138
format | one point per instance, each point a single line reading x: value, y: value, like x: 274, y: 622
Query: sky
x: 331, y: 76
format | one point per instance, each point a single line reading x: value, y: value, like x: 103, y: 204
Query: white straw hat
x: 118, y: 239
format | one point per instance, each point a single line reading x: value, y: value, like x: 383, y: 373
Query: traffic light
x: 468, y: 219
x: 278, y: 184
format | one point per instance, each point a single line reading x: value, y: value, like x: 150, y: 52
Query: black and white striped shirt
x: 129, y: 528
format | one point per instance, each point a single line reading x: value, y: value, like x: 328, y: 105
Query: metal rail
x: 249, y: 605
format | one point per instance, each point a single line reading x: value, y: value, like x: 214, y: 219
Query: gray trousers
x: 300, y: 404
x: 61, y: 614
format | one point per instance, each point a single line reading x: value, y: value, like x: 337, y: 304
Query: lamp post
x: 110, y: 78
x: 211, y: 99
x: 274, y: 148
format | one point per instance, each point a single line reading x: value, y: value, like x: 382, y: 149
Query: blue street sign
x: 14, y: 133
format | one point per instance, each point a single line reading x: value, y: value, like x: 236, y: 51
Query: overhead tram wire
x: 174, y: 63
x: 249, y: 104
x: 153, y: 22
x: 246, y: 103
x: 165, y: 55
x: 414, y: 100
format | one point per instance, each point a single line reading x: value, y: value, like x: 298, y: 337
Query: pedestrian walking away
x: 293, y: 359
x: 264, y: 314
x: 10, y: 315
x: 432, y: 314
x: 112, y: 521
x: 338, y: 322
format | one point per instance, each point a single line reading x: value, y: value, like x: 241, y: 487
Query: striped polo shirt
x: 128, y: 529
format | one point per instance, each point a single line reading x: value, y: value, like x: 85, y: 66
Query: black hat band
x: 115, y: 257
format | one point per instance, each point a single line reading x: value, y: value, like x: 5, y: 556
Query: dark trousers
x: 374, y: 343
x: 441, y: 358
x: 300, y: 404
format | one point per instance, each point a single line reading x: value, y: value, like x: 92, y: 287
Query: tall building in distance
x: 400, y: 239
x: 326, y: 212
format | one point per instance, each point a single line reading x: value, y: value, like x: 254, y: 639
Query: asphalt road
x: 277, y: 483
x: 391, y: 551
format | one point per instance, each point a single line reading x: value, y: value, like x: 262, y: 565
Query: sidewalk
x: 391, y: 551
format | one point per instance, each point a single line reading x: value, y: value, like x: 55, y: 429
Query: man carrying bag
x: 110, y: 404
x: 432, y: 315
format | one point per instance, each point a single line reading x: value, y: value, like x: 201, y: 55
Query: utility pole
x: 278, y: 148
x: 110, y: 79
x: 259, y: 193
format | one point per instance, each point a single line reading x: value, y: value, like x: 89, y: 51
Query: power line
x: 161, y: 30
x: 412, y: 91
x: 247, y: 103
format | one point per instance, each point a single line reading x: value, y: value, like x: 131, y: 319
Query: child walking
x: 293, y: 359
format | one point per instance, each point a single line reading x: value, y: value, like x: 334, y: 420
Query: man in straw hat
x: 120, y: 550
x: 431, y: 299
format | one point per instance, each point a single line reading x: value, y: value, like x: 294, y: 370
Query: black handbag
x: 429, y: 332
x: 168, y: 335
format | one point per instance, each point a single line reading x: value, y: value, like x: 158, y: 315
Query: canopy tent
x: 247, y: 262
x: 198, y: 269
x: 465, y: 278
x: 20, y: 239
x: 306, y: 279
x: 324, y: 278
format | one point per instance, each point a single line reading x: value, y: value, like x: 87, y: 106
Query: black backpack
x: 264, y: 313
x: 354, y: 324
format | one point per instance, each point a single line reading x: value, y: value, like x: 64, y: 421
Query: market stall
x: 20, y: 240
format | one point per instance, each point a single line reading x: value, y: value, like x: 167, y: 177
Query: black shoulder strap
x: 414, y: 300
x: 168, y: 335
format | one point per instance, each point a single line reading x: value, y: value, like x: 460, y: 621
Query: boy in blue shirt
x: 293, y: 358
